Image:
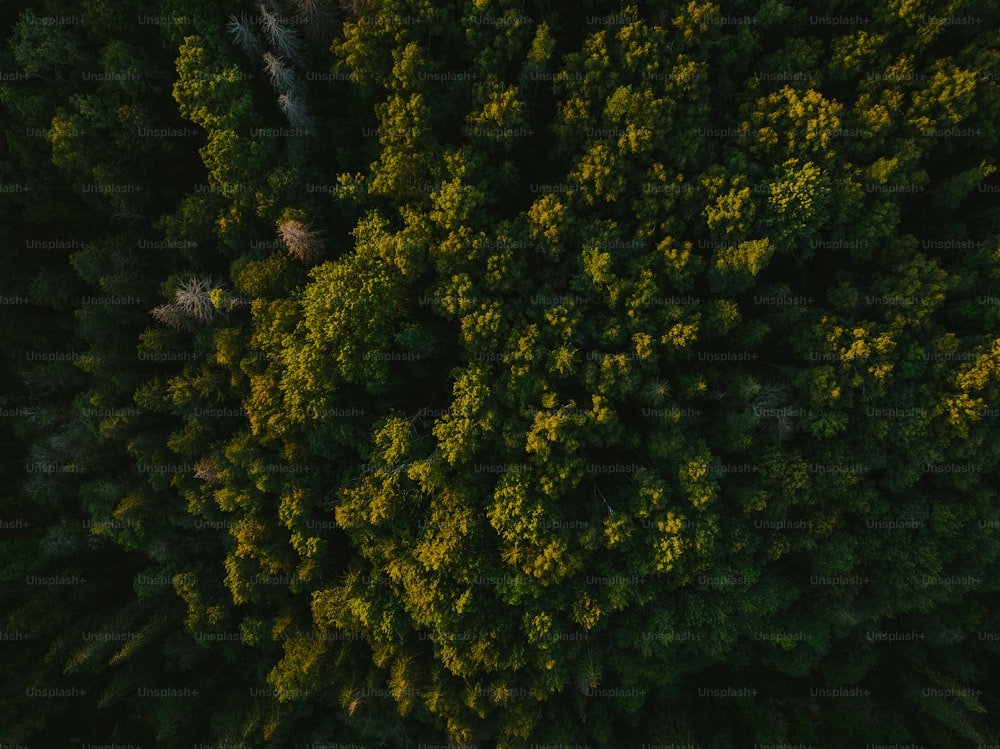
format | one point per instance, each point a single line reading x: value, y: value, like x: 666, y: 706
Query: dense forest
x: 500, y: 374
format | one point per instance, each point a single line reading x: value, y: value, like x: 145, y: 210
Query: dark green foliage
x: 499, y: 373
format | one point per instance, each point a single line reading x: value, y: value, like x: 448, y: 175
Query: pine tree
x: 303, y: 243
x: 173, y: 316
x: 194, y: 304
x: 282, y: 78
x: 243, y: 34
x: 353, y: 9
x: 294, y: 108
x: 193, y: 298
x: 284, y: 39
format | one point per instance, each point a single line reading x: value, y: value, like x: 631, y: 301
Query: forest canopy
x: 391, y: 373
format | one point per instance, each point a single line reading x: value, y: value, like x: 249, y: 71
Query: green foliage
x: 539, y: 368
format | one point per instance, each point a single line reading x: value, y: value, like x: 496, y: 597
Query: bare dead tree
x: 303, y: 243
x: 772, y: 404
x: 192, y: 305
x: 317, y: 19
x: 294, y: 108
x: 269, y: 22
x: 243, y: 34
x: 282, y: 38
x: 193, y: 297
x: 352, y: 9
x: 205, y: 469
x: 171, y: 316
x: 282, y: 77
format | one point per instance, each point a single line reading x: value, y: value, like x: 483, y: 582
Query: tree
x: 243, y: 34
x: 282, y: 78
x: 303, y: 243
x: 193, y: 304
x: 283, y: 38
x: 294, y: 107
x: 611, y: 354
